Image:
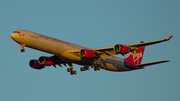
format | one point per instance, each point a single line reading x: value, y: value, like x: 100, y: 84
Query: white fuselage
x: 64, y: 50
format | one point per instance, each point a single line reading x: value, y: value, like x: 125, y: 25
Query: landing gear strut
x: 23, y: 45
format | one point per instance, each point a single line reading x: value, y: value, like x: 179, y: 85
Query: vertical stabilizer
x: 135, y: 57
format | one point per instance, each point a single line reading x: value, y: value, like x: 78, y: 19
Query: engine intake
x: 87, y: 53
x: 121, y: 49
x: 47, y: 61
x: 35, y: 64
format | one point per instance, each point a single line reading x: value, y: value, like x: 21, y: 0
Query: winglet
x: 169, y: 38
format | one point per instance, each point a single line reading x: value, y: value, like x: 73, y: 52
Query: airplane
x: 98, y: 58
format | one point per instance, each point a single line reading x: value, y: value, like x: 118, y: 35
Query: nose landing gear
x: 23, y: 45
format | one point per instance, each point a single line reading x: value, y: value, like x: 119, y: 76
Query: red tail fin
x: 135, y: 57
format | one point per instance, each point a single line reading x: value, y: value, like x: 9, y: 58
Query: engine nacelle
x: 121, y: 49
x: 35, y: 64
x: 87, y: 53
x: 47, y: 61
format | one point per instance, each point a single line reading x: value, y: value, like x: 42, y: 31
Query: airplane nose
x: 12, y: 35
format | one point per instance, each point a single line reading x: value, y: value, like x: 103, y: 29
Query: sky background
x: 93, y: 24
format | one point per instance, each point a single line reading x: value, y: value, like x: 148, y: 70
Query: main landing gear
x: 23, y: 45
x: 87, y: 68
x: 84, y: 68
x: 96, y: 68
x: 71, y: 70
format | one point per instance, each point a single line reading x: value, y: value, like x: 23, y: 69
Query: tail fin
x: 135, y: 57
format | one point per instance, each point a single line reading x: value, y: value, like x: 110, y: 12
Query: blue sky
x: 93, y: 24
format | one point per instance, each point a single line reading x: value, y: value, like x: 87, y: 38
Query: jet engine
x: 47, y: 61
x: 87, y: 53
x: 122, y: 49
x: 35, y: 64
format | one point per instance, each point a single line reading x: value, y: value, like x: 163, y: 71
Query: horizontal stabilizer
x: 151, y: 63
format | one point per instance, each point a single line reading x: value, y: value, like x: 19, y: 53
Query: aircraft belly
x: 112, y: 64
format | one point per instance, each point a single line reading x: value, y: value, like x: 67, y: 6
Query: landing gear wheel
x: 87, y: 68
x: 95, y: 68
x: 84, y: 68
x: 75, y: 72
x: 81, y: 69
x: 98, y: 68
x: 68, y: 70
x: 22, y: 50
x: 71, y: 69
x: 71, y: 72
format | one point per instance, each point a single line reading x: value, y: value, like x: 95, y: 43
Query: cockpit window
x: 16, y: 32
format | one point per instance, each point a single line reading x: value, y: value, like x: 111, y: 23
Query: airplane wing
x: 138, y: 45
x: 111, y: 51
x: 132, y: 47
